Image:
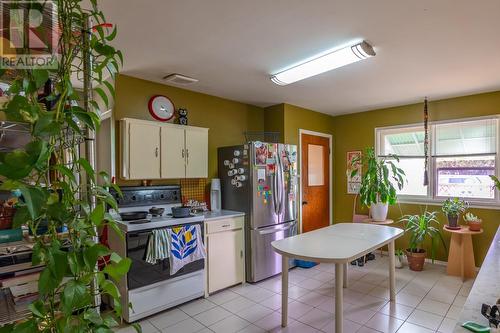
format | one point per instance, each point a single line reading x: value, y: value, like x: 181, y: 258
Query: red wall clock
x: 161, y: 108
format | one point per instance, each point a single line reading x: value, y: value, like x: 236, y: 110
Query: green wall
x: 357, y: 131
x: 299, y: 118
x: 274, y: 121
x: 226, y: 119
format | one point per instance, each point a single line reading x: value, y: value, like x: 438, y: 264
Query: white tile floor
x: 428, y: 301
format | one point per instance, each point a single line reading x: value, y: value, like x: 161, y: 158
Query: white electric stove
x: 151, y: 288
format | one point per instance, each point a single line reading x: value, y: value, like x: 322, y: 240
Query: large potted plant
x: 452, y: 208
x: 57, y: 186
x: 378, y: 182
x: 420, y: 228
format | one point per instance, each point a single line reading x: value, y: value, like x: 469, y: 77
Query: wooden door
x: 144, y: 151
x: 315, y: 175
x: 225, y: 259
x: 173, y: 153
x: 196, y: 152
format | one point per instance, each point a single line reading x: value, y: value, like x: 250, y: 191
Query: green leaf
x: 21, y: 217
x: 41, y: 76
x: 93, y: 316
x: 46, y: 283
x: 92, y: 253
x: 37, y: 308
x: 28, y: 326
x: 75, y: 296
x: 88, y: 168
x: 90, y: 119
x: 35, y: 199
x: 119, y: 269
x: 46, y: 125
x: 97, y: 215
x: 103, y: 96
x: 110, y: 87
x: 66, y: 172
x: 112, y: 35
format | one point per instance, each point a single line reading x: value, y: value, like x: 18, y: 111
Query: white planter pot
x: 399, y: 262
x: 378, y: 211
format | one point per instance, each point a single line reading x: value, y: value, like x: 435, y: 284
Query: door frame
x: 330, y: 186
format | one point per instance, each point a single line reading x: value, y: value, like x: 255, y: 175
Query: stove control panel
x: 148, y: 195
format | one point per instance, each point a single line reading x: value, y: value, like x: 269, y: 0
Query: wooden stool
x: 461, y: 256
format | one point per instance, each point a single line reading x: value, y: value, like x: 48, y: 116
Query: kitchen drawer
x: 224, y: 224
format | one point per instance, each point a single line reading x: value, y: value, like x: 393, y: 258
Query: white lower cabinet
x: 225, y: 253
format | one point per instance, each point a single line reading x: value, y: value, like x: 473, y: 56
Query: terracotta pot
x: 416, y: 260
x: 6, y: 216
x: 475, y: 226
x: 452, y: 221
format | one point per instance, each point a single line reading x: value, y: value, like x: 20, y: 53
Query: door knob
x: 304, y: 202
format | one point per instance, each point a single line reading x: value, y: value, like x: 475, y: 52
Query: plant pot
x: 416, y: 260
x: 378, y: 211
x: 475, y: 226
x: 399, y: 261
x: 452, y: 222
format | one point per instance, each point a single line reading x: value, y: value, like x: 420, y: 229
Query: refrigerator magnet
x: 260, y: 155
x: 261, y: 175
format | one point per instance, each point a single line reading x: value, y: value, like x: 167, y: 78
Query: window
x: 462, y: 156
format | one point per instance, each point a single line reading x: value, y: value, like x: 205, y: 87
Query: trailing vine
x: 57, y: 188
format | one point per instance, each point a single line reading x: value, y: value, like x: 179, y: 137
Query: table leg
x: 339, y: 313
x: 284, y: 291
x: 392, y: 271
x: 346, y: 281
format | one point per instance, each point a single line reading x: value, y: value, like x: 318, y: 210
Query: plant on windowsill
x: 473, y: 221
x: 377, y: 189
x: 452, y: 208
x: 420, y: 228
x: 57, y: 188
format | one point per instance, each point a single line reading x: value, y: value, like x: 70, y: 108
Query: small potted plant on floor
x: 452, y: 208
x: 399, y: 258
x: 379, y: 182
x: 473, y: 221
x: 421, y: 227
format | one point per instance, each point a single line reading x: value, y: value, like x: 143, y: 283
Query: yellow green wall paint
x: 274, y: 121
x: 357, y: 131
x: 226, y: 119
x: 299, y: 118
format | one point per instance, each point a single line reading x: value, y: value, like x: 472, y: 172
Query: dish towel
x: 186, y: 246
x: 158, y: 246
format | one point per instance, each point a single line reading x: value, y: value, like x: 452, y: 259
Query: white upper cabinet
x: 173, y: 152
x: 196, y: 152
x: 140, y: 150
x: 152, y: 150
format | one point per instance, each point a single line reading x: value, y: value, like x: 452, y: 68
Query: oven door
x: 142, y: 273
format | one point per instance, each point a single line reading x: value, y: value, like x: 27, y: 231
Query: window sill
x: 439, y: 202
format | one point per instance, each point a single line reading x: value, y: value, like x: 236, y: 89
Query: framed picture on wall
x: 353, y: 183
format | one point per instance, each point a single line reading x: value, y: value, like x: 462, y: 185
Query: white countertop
x: 486, y: 288
x: 209, y: 216
x: 337, y: 243
x: 170, y: 221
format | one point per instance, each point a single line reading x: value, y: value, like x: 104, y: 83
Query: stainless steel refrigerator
x: 260, y: 179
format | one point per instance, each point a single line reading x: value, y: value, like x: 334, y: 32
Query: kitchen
x: 212, y: 173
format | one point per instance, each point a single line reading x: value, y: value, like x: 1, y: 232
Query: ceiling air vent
x: 180, y: 79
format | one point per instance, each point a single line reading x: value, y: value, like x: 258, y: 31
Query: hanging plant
x: 47, y: 175
x: 426, y: 143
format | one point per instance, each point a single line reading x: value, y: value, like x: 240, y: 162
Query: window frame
x: 431, y: 198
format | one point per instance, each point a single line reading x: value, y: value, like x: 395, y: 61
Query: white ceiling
x: 431, y: 48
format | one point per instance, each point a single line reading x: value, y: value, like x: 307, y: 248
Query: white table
x: 339, y: 244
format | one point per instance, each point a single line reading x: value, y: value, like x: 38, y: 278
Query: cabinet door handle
x: 226, y: 225
x: 183, y: 153
x: 187, y: 155
x: 241, y: 254
x: 156, y: 152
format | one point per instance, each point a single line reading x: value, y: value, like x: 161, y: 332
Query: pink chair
x: 358, y: 218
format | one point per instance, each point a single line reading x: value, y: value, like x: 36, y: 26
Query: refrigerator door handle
x: 274, y: 191
x: 276, y: 229
x: 282, y: 175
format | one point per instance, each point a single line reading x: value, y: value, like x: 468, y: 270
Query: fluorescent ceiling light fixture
x: 324, y: 63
